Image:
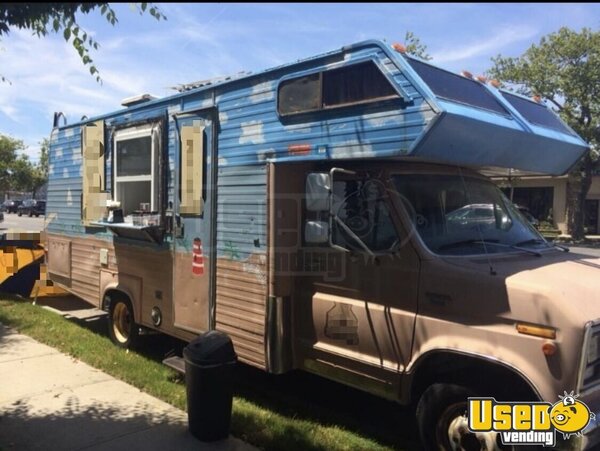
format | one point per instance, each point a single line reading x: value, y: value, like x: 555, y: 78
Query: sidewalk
x: 49, y: 400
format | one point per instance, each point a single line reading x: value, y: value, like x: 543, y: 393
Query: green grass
x: 266, y: 422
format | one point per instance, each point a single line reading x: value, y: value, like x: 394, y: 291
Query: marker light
x: 549, y: 348
x: 299, y: 149
x: 537, y: 98
x: 481, y: 78
x: 400, y: 48
x: 467, y: 74
x: 495, y: 83
x: 536, y: 331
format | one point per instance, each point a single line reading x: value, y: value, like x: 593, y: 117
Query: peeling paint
x: 172, y: 109
x: 263, y: 154
x: 58, y: 152
x: 65, y: 173
x: 351, y: 149
x: 69, y: 198
x: 262, y: 91
x: 381, y: 120
x: 252, y: 133
x: 223, y: 117
x: 298, y: 128
x: 69, y: 132
x: 223, y: 161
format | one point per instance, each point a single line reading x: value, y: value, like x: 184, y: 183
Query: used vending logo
x: 529, y: 423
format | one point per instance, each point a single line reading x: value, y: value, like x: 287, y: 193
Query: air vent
x: 136, y: 100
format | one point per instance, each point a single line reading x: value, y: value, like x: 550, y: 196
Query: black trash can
x: 209, y: 365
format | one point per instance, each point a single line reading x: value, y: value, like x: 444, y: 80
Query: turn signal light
x: 495, y: 83
x: 481, y: 78
x: 537, y: 98
x: 536, y: 331
x: 466, y: 73
x: 549, y: 348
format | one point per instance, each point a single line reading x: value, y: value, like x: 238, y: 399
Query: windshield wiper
x: 540, y: 241
x: 490, y: 242
x: 466, y: 242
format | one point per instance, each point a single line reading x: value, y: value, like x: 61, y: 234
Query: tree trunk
x: 578, y: 185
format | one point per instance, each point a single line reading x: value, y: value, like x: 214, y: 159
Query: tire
x: 440, y: 414
x: 122, y: 329
x: 20, y: 213
x: 30, y: 214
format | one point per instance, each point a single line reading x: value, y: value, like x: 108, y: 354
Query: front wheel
x: 443, y: 425
x: 20, y: 213
x: 121, y: 328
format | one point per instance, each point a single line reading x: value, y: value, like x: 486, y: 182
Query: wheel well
x: 486, y: 378
x: 114, y: 294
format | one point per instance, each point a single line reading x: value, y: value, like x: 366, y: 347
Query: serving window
x: 136, y: 170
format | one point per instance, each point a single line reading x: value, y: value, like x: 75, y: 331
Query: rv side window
x: 354, y: 84
x: 135, y: 170
x: 358, y: 83
x: 300, y: 95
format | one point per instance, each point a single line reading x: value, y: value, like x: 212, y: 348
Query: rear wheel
x: 30, y: 214
x: 20, y: 213
x: 121, y: 326
x: 443, y: 425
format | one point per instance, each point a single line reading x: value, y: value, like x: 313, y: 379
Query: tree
x: 8, y: 156
x: 16, y: 171
x: 43, y: 18
x: 564, y: 69
x: 415, y: 47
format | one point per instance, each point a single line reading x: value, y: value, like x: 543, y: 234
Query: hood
x: 563, y: 284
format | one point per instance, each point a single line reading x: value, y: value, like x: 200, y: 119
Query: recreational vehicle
x: 335, y: 215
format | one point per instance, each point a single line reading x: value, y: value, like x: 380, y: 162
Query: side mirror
x: 316, y: 232
x: 318, y: 185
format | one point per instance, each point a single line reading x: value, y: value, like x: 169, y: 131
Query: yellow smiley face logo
x: 570, y: 419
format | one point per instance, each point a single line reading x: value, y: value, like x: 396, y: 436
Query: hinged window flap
x: 192, y: 156
x: 94, y: 198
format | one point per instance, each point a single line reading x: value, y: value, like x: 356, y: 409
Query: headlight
x: 590, y: 366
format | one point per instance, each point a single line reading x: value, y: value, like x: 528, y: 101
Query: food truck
x: 335, y: 215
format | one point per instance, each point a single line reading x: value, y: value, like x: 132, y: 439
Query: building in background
x: 546, y: 199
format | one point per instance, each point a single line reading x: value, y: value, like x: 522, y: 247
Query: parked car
x: 32, y: 207
x: 11, y: 206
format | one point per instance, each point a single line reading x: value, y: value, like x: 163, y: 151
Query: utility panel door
x: 192, y: 247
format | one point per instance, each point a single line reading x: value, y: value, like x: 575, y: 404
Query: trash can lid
x: 210, y: 348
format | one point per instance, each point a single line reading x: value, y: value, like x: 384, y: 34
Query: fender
x: 408, y: 385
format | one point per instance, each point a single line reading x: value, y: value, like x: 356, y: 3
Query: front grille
x: 590, y: 375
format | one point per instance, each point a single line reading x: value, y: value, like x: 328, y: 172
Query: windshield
x: 464, y: 215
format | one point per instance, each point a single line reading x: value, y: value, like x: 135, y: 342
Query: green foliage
x: 564, y: 69
x: 262, y: 426
x: 44, y: 18
x: 415, y: 47
x: 9, y: 160
x: 16, y: 171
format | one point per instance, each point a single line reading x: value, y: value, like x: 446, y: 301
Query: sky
x: 200, y: 41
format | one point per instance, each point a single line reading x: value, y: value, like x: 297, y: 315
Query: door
x: 363, y: 321
x: 192, y: 272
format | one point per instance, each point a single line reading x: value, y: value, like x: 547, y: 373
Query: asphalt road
x: 25, y: 223
x: 590, y: 251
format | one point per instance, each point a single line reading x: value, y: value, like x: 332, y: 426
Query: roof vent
x: 136, y: 100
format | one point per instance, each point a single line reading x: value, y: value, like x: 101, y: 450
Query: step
x: 175, y: 362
